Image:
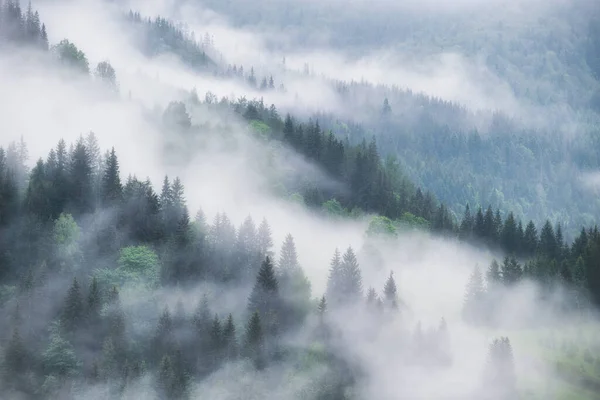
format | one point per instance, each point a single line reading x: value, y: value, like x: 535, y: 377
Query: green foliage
x: 297, y: 198
x: 71, y: 56
x: 137, y: 266
x: 59, y: 358
x: 409, y: 220
x: 334, y: 208
x: 381, y: 226
x: 66, y: 232
x: 260, y: 129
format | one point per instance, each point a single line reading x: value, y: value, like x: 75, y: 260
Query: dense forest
x: 113, y: 288
x: 520, y: 159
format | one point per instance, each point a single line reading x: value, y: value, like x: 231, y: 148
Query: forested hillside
x: 520, y: 157
x: 473, y: 272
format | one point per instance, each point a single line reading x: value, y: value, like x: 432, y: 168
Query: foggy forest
x: 299, y: 199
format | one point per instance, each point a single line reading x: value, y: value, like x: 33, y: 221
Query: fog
x: 42, y: 105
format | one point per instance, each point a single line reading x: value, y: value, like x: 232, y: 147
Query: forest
x: 118, y: 286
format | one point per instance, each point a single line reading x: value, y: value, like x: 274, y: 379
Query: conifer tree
x: 229, y: 339
x: 511, y: 271
x: 94, y: 302
x: 474, y: 301
x: 253, y: 346
x: 335, y: 280
x: 112, y: 190
x: 352, y: 278
x: 499, y: 374
x: 80, y: 179
x: 390, y: 292
x: 265, y: 296
x: 493, y: 275
x: 467, y: 224
x: 163, y: 336
x: 73, y: 310
x: 530, y: 244
x: 295, y: 287
x: 265, y: 241
x: 509, y: 235
x: 322, y: 306
x: 16, y: 359
x: 216, y: 340
x: 548, y: 245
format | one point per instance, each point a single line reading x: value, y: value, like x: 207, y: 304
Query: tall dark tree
x: 254, y: 341
x: 474, y: 301
x: 390, y: 292
x: 264, y: 298
x: 112, y: 190
x: 73, y: 309
x: 80, y: 182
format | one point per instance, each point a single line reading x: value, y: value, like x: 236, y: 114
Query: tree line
x: 72, y: 230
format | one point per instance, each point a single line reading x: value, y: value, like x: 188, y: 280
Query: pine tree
x: 511, y: 271
x: 229, y: 339
x: 493, y: 275
x: 500, y: 377
x: 73, y: 310
x: 265, y: 241
x: 531, y: 240
x: 322, y: 306
x: 474, y: 301
x: 352, y: 278
x: 509, y: 235
x: 372, y: 299
x: 202, y: 319
x: 80, y: 179
x: 246, y: 248
x: 390, y: 292
x: 166, y: 378
x: 548, y: 245
x: 467, y: 224
x: 288, y: 260
x: 386, y: 109
x: 163, y: 336
x: 112, y: 190
x: 265, y: 296
x: 94, y: 302
x: 254, y: 340
x: 216, y: 340
x: 479, y: 229
x: 335, y: 280
x: 16, y: 357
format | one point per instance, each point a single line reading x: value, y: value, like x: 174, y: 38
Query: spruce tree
x: 467, y: 224
x: 335, y: 280
x: 511, y: 271
x: 264, y: 239
x: 390, y: 292
x: 229, y: 339
x: 80, y: 179
x: 499, y: 376
x: 474, y: 300
x: 253, y: 345
x: 73, y: 310
x: 94, y: 302
x: 548, y: 245
x: 265, y: 296
x: 509, y: 235
x: 352, y: 278
x: 112, y: 190
x: 16, y: 358
x: 493, y: 275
